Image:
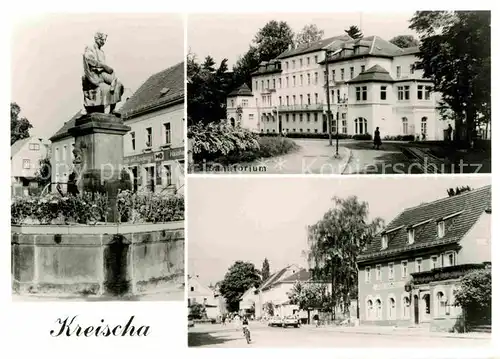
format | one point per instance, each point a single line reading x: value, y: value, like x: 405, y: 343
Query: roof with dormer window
x: 243, y: 90
x: 375, y: 73
x: 459, y: 213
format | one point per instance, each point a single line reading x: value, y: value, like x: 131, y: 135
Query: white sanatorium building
x: 372, y: 83
x: 153, y: 150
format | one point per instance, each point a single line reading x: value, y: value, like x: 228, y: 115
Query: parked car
x: 291, y: 322
x: 275, y: 322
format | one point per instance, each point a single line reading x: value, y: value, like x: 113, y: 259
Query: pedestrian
x: 316, y: 320
x: 72, y: 187
x: 377, y: 142
x: 449, y: 132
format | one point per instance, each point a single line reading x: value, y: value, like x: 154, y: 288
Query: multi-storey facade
x: 371, y: 83
x: 408, y: 274
x: 154, y: 147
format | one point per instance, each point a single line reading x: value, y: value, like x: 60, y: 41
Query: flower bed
x: 90, y: 208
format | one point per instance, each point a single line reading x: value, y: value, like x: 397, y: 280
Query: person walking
x: 449, y: 131
x: 316, y: 320
x: 377, y: 142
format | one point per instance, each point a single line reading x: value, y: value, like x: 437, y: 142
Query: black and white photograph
x: 97, y: 157
x: 329, y: 262
x: 340, y: 93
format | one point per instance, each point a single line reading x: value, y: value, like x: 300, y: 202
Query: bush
x: 364, y: 137
x: 400, y: 138
x: 90, y: 208
x: 150, y: 208
x: 219, y: 139
x: 306, y: 135
x: 474, y: 296
x: 53, y: 209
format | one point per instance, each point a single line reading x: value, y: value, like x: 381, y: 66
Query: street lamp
x: 275, y: 111
x: 328, y: 113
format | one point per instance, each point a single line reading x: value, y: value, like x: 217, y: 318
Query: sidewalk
x: 402, y: 331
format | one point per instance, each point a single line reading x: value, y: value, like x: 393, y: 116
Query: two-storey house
x: 200, y: 293
x: 25, y: 157
x: 408, y: 273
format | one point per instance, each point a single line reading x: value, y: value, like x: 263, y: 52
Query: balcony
x: 301, y: 108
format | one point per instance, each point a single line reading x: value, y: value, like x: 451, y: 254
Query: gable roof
x: 313, y: 46
x: 17, y: 146
x: 243, y: 90
x: 303, y: 275
x: 459, y: 213
x: 367, y: 46
x: 63, y: 131
x: 375, y: 73
x: 159, y: 90
x: 410, y: 51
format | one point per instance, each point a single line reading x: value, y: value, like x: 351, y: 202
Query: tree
x: 244, y: 67
x: 19, y: 126
x: 239, y: 278
x: 474, y: 296
x: 268, y: 308
x: 354, y: 32
x: 265, y: 270
x: 456, y: 55
x: 273, y: 39
x: 197, y: 311
x: 309, y: 296
x: 404, y: 41
x: 459, y: 190
x: 335, y: 242
x: 208, y: 86
x: 309, y: 33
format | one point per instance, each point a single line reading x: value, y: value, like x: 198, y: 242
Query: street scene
x: 97, y: 158
x: 340, y: 94
x: 340, y: 262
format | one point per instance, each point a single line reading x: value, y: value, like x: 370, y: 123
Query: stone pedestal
x: 99, y: 142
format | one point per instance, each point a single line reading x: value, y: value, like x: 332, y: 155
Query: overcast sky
x: 252, y: 218
x: 47, y: 58
x: 229, y: 35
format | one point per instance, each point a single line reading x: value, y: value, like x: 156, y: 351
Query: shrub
x: 474, y: 296
x: 149, y: 208
x: 400, y: 138
x: 220, y: 139
x: 364, y: 137
x: 306, y: 135
x: 52, y: 208
x: 90, y: 208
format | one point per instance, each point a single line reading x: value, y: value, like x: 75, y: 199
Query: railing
x: 292, y: 108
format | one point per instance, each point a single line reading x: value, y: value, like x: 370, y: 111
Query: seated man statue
x: 101, y: 88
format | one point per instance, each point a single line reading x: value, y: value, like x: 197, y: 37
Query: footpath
x: 402, y: 331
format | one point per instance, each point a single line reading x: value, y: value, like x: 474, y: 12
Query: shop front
x: 157, y: 171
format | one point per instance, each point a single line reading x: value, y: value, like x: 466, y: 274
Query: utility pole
x: 328, y: 101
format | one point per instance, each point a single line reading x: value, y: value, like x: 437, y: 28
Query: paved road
x: 320, y: 337
x: 313, y: 157
x: 389, y: 159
